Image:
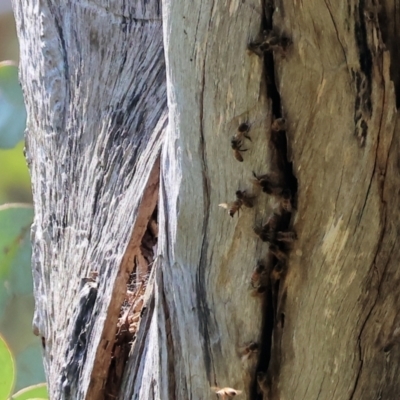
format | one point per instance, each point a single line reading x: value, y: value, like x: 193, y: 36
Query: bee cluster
x: 275, y: 230
x: 281, y: 187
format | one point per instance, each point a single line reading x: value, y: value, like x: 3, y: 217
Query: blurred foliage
x: 12, y: 108
x: 36, y: 392
x: 8, y: 36
x: 7, y: 375
x: 15, y: 183
x: 16, y: 294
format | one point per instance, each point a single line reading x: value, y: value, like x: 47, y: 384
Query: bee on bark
x: 237, y: 140
x: 242, y: 199
x: 277, y: 272
x: 237, y: 148
x: 243, y: 130
x: 278, y: 253
x: 267, y: 232
x: 267, y: 184
x: 268, y: 42
x: 286, y: 237
x: 278, y: 125
x: 286, y: 200
x: 248, y: 351
x: 226, y: 393
x: 259, y: 277
x: 248, y: 201
x: 268, y: 235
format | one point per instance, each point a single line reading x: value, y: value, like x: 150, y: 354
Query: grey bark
x: 96, y: 90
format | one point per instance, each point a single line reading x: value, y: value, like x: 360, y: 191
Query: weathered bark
x: 94, y: 83
x: 327, y: 326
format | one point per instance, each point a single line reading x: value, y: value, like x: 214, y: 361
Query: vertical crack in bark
x: 379, y: 173
x: 268, y: 369
x: 127, y: 306
x: 203, y: 309
x: 387, y: 20
x: 337, y: 31
x: 170, y: 347
x: 362, y: 76
x: 132, y: 308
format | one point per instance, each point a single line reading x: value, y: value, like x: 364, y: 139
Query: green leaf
x: 7, y: 376
x: 15, y: 223
x: 36, y: 392
x: 12, y: 107
x: 15, y: 183
x: 16, y: 297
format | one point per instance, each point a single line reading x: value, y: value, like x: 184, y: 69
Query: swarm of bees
x: 269, y: 41
x: 267, y: 274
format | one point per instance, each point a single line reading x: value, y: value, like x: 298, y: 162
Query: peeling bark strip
x: 117, y: 335
x: 94, y: 84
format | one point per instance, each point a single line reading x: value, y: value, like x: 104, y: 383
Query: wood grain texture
x: 93, y: 75
x: 204, y: 311
x: 341, y: 288
x: 96, y: 89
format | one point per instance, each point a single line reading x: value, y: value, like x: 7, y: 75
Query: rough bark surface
x: 94, y: 82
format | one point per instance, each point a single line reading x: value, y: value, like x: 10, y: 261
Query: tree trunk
x: 144, y: 293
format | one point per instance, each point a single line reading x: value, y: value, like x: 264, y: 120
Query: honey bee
x: 259, y: 291
x: 243, y: 130
x: 248, y: 351
x: 242, y: 199
x: 237, y: 148
x: 226, y: 393
x: 237, y: 140
x: 286, y: 200
x: 278, y: 125
x: 267, y: 184
x: 248, y: 201
x: 278, y: 253
x: 259, y: 277
x: 287, y: 237
x: 277, y: 272
x: 269, y: 41
x: 267, y: 232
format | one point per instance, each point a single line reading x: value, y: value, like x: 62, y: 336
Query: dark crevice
x: 362, y: 76
x: 132, y: 309
x: 365, y: 55
x: 273, y: 318
x: 82, y: 324
x: 388, y: 24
